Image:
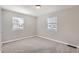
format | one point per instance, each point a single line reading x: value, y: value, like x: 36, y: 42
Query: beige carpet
x: 36, y: 45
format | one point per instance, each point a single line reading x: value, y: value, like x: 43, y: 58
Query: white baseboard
x: 57, y: 41
x: 17, y: 39
x: 40, y: 37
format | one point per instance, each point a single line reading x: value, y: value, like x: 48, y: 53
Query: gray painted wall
x: 68, y: 26
x: 9, y: 34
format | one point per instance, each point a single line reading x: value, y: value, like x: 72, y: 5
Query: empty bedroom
x: 39, y: 28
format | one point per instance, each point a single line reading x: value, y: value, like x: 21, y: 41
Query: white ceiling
x: 31, y: 10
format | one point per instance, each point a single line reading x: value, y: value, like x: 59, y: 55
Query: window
x: 52, y: 23
x: 18, y: 23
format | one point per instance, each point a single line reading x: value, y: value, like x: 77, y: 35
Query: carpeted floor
x: 36, y: 45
